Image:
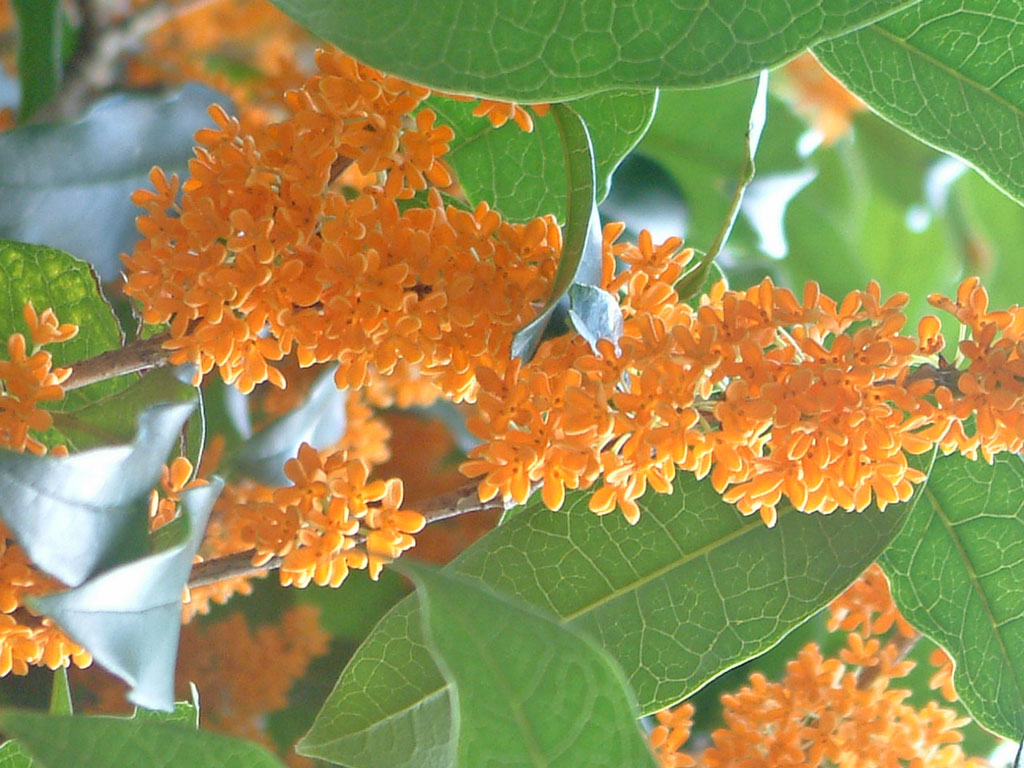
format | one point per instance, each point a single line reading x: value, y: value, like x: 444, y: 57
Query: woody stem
x: 138, y: 356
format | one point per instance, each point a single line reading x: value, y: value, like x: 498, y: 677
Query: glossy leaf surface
x: 946, y: 71
x: 528, y: 51
x: 957, y: 574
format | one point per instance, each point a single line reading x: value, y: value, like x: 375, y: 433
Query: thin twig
x: 137, y: 356
x: 95, y: 68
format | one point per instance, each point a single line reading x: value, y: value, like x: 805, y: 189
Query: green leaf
x: 184, y: 713
x: 54, y: 279
x: 129, y: 617
x: 112, y: 742
x: 39, y: 52
x: 944, y: 71
x: 14, y: 755
x: 112, y: 419
x: 690, y: 591
x: 526, y: 689
x: 319, y: 421
x: 60, y: 695
x: 956, y: 572
x: 350, y: 613
x: 525, y: 51
x: 79, y: 515
x: 522, y: 175
x: 580, y: 261
x: 69, y: 185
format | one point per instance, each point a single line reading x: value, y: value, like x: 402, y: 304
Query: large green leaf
x: 527, y: 690
x: 81, y: 514
x: 54, y: 279
x: 690, y: 591
x: 946, y: 71
x: 523, y: 174
x: 129, y: 617
x: 113, y: 742
x: 956, y: 572
x: 70, y: 185
x: 528, y: 51
x: 39, y: 49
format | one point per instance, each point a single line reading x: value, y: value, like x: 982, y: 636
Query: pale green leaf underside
x: 529, y: 690
x: 531, y: 51
x: 948, y: 72
x: 957, y: 573
x: 692, y: 590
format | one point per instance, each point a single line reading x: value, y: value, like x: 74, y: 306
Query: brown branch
x: 95, y: 67
x: 461, y: 501
x: 137, y: 356
x: 904, y: 645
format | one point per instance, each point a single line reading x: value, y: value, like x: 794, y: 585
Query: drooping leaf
x: 39, y: 52
x: 524, y: 51
x: 522, y: 175
x: 113, y: 418
x: 53, y: 279
x: 113, y: 742
x: 526, y: 689
x: 78, y: 515
x: 944, y: 71
x: 580, y: 261
x: 69, y: 185
x: 319, y: 421
x: 595, y: 314
x: 956, y: 572
x: 129, y: 617
x: 690, y: 591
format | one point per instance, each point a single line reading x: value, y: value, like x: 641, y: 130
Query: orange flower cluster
x: 27, y: 379
x: 811, y: 400
x: 243, y: 674
x: 840, y: 711
x: 331, y: 519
